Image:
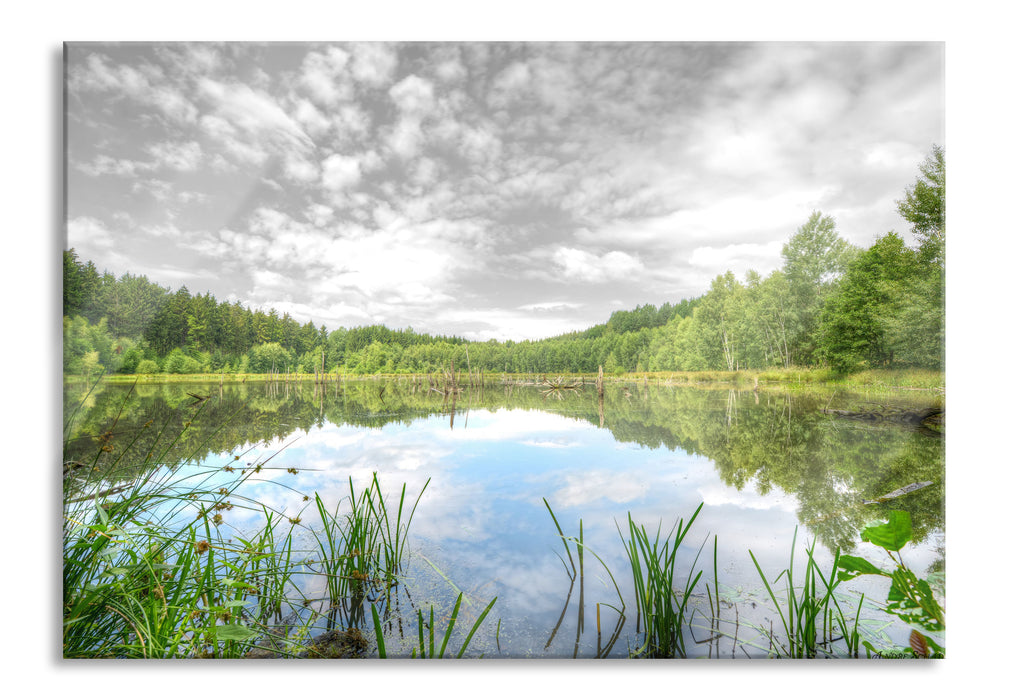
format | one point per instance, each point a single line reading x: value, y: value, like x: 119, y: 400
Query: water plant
x: 363, y: 550
x: 428, y: 651
x: 910, y: 598
x: 578, y: 574
x: 148, y: 572
x: 662, y: 607
x: 813, y: 617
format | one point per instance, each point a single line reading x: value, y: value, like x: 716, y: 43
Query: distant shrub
x: 178, y: 362
x: 147, y: 367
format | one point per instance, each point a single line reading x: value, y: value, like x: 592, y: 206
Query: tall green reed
x: 662, y: 607
x: 425, y: 648
x: 813, y: 617
x: 577, y: 573
x: 364, y: 548
x: 148, y: 574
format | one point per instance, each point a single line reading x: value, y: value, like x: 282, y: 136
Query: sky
x: 483, y: 189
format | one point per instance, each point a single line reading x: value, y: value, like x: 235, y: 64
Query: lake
x: 767, y: 465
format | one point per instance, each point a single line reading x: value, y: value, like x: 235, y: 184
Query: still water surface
x: 765, y: 465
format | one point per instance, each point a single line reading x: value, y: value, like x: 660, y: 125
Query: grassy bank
x: 872, y: 381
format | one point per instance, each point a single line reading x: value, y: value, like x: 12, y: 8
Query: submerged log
x: 892, y: 415
x: 898, y: 493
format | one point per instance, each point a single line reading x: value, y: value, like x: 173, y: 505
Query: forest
x: 832, y: 304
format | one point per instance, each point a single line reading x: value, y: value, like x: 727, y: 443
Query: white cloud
x: 255, y: 114
x: 892, y: 155
x: 340, y: 172
x: 373, y: 64
x: 271, y: 285
x: 323, y: 75
x: 406, y: 138
x: 509, y: 84
x: 89, y: 233
x: 98, y: 75
x: 222, y: 131
x: 738, y: 257
x: 413, y: 95
x: 450, y: 71
x: 556, y: 85
x: 166, y: 155
x: 494, y: 323
x: 583, y: 266
x: 177, y: 156
x: 190, y: 59
x: 300, y: 169
x: 724, y: 220
x: 550, y: 306
x: 319, y: 215
x: 349, y: 267
x: 309, y: 116
x: 444, y: 175
x: 106, y: 165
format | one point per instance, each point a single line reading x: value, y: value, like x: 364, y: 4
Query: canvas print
x: 504, y: 350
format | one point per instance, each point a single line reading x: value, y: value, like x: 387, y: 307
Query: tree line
x: 831, y: 304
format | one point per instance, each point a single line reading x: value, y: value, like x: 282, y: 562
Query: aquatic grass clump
x: 425, y: 648
x: 578, y: 574
x: 151, y: 576
x: 662, y: 607
x: 811, y: 624
x: 365, y: 547
x: 147, y: 572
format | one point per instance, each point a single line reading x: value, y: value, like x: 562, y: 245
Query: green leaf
x: 223, y: 606
x: 379, y: 637
x: 235, y: 633
x: 234, y: 583
x: 911, y: 600
x: 849, y: 567
x: 891, y: 535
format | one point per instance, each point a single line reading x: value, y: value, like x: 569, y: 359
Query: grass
x: 662, y: 607
x: 812, y: 615
x: 364, y: 550
x: 148, y: 572
x: 815, y: 618
x: 425, y: 648
x: 876, y: 380
x: 577, y: 573
x: 140, y: 583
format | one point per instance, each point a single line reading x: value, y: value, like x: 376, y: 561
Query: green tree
x: 199, y: 319
x: 178, y: 362
x: 688, y: 346
x: 922, y: 315
x: 924, y: 205
x: 169, y: 328
x: 90, y: 364
x: 857, y: 326
x: 80, y: 284
x: 147, y: 367
x: 720, y: 323
x: 269, y: 357
x: 815, y: 258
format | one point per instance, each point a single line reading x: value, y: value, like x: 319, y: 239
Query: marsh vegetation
x: 516, y: 520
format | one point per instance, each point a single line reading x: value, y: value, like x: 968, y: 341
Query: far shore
x: 929, y: 381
